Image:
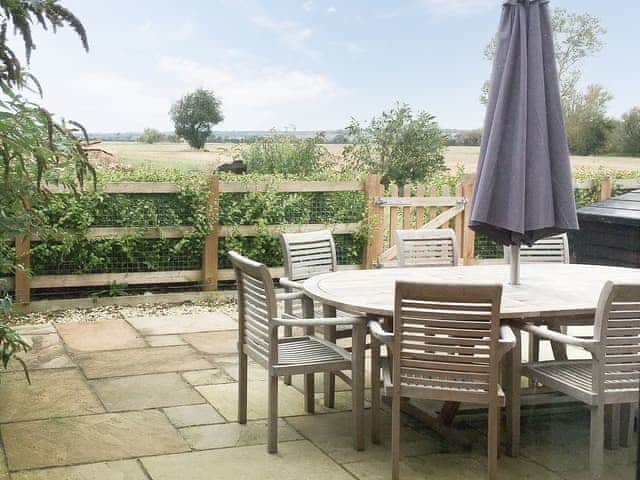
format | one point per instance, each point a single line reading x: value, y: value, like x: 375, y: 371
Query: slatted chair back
x: 548, y: 250
x: 308, y: 254
x: 256, y: 307
x: 446, y: 339
x: 426, y: 247
x: 617, y: 327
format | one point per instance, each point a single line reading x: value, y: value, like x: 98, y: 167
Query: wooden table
x: 548, y: 293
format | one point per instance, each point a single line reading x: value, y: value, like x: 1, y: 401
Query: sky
x: 298, y: 64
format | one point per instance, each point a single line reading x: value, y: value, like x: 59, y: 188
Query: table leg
x: 329, y: 377
x: 309, y: 378
x: 357, y: 392
x: 375, y: 388
x: 511, y: 382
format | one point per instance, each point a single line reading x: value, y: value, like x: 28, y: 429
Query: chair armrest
x: 507, y: 340
x: 589, y: 345
x: 318, y: 322
x: 290, y: 296
x: 379, y: 334
x: 286, y: 283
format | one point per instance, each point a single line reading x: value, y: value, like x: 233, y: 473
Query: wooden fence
x: 384, y: 214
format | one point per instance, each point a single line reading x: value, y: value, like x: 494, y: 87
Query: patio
x: 154, y: 396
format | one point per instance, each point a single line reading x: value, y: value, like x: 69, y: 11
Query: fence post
x: 210, y: 254
x: 606, y: 189
x: 23, y: 264
x: 469, y: 236
x: 458, y: 223
x: 372, y: 189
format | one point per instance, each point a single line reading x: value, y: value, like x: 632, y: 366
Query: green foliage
x: 150, y: 135
x: 398, y: 145
x: 10, y: 342
x: 194, y: 115
x: 587, y: 124
x: 21, y: 15
x: 627, y: 134
x: 287, y: 155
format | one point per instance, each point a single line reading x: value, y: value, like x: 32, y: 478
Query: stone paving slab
x: 229, y: 363
x: 333, y: 433
x: 172, y: 324
x: 191, y: 415
x: 89, y: 439
x: 39, y: 329
x: 145, y: 391
x: 102, y: 335
x: 224, y: 398
x: 211, y: 376
x: 120, y: 363
x: 218, y: 343
x: 52, y: 393
x: 235, y: 435
x: 164, y: 340
x: 122, y: 470
x: 47, y: 352
x: 294, y: 461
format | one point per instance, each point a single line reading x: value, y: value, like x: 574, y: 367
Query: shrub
x: 150, y: 135
x: 629, y: 133
x: 398, y: 145
x: 287, y: 155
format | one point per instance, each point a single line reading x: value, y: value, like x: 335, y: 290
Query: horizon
x: 296, y: 65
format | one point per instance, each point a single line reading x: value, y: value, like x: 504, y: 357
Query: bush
x: 287, y: 155
x: 150, y: 135
x: 398, y: 145
x: 588, y: 127
x: 628, y: 133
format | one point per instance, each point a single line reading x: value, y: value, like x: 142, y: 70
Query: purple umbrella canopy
x: 524, y: 188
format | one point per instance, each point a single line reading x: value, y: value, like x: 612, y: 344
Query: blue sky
x: 304, y: 64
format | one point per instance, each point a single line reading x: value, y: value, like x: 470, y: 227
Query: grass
x: 180, y: 156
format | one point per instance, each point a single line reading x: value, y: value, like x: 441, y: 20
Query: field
x: 180, y: 156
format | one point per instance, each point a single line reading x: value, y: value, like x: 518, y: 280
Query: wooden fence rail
x: 385, y: 213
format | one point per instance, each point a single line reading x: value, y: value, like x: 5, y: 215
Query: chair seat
x: 307, y: 354
x: 574, y: 378
x: 473, y: 393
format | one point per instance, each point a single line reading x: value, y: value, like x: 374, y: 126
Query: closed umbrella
x: 524, y: 188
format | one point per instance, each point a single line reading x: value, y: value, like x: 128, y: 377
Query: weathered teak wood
x: 258, y: 339
x: 444, y: 346
x: 305, y: 255
x: 612, y: 377
x: 422, y: 248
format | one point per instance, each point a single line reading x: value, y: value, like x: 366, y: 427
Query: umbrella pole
x: 515, y: 265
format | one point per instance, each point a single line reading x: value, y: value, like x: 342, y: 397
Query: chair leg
x: 559, y: 350
x: 272, y: 446
x: 612, y: 427
x: 288, y: 332
x: 329, y: 377
x: 375, y: 390
x: 242, y: 388
x: 511, y: 381
x: 357, y: 387
x: 395, y: 437
x: 596, y: 452
x: 493, y: 440
x: 627, y: 421
x: 309, y: 393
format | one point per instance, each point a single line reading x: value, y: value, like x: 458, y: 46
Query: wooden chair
x: 258, y: 339
x: 548, y: 250
x: 306, y: 255
x: 446, y: 346
x: 611, y: 377
x: 426, y: 247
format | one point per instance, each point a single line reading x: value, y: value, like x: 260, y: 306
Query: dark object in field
x: 237, y: 166
x: 610, y: 232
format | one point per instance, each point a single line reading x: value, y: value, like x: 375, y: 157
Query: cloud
x: 307, y: 6
x: 458, y: 7
x: 331, y: 9
x: 290, y: 33
x: 249, y: 90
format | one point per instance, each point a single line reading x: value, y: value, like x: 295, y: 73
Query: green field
x: 180, y: 156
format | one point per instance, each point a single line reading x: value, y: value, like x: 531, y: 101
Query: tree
x: 577, y: 36
x: 400, y: 146
x: 194, y: 115
x: 34, y: 149
x: 626, y: 138
x: 150, y: 135
x: 587, y: 124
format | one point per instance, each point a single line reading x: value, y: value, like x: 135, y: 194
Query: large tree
x: 401, y: 146
x: 588, y: 127
x: 577, y: 36
x: 195, y: 114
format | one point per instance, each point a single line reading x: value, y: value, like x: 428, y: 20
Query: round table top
x: 545, y: 290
